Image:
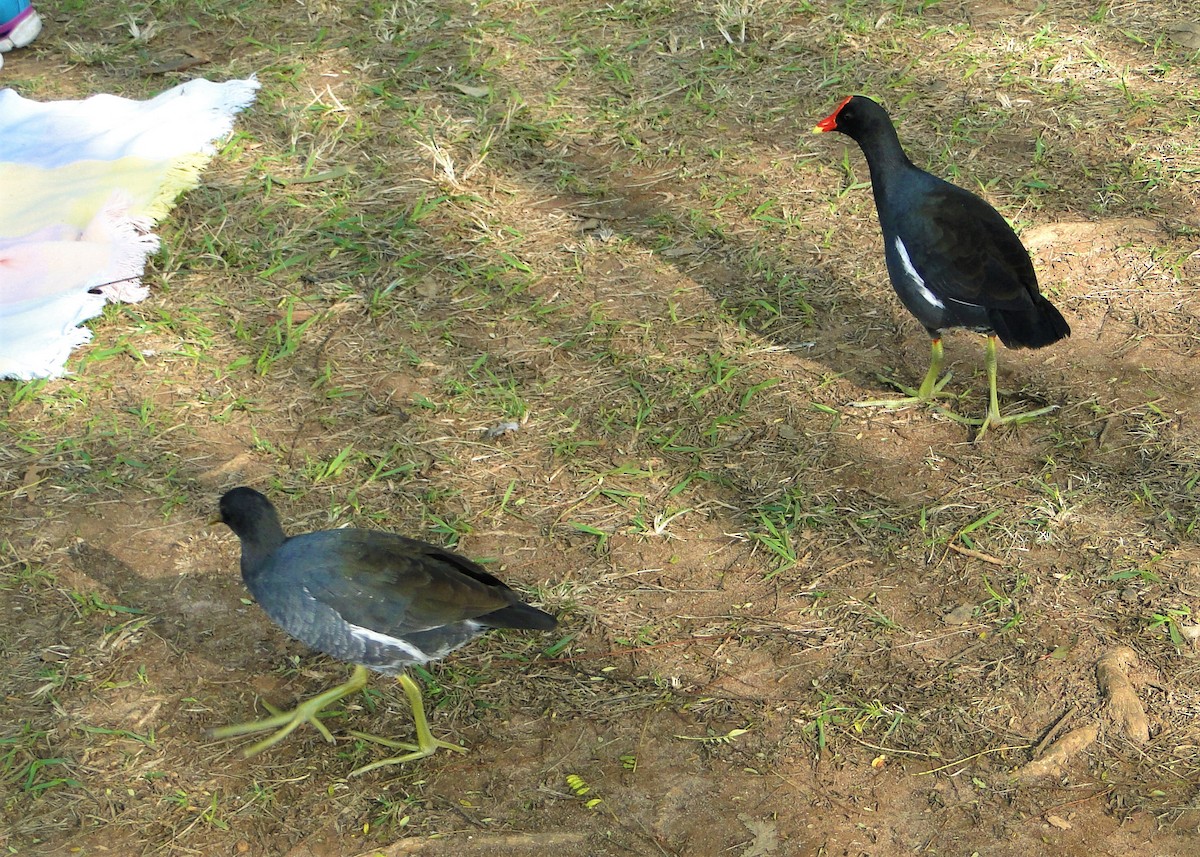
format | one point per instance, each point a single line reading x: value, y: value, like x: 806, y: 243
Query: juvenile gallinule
x: 953, y: 260
x: 375, y: 599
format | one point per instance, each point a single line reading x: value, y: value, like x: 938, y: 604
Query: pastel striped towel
x: 81, y: 185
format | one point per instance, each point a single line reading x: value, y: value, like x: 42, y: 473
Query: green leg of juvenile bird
x: 426, y: 744
x: 993, y: 414
x: 287, y: 721
x: 930, y: 388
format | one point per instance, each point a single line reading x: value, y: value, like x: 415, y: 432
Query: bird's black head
x: 247, y: 512
x: 854, y: 117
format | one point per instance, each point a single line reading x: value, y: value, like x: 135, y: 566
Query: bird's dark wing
x: 392, y: 584
x: 966, y: 252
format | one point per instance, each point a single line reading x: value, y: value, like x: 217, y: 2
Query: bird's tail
x: 1035, y: 327
x: 519, y: 615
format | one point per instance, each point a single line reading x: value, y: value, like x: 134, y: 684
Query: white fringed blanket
x: 81, y: 185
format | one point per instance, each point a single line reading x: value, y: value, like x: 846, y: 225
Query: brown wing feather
x: 397, y: 585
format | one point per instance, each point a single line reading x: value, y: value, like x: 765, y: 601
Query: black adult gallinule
x: 375, y: 599
x: 953, y: 260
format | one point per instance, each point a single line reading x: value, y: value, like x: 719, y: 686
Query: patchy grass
x: 784, y: 619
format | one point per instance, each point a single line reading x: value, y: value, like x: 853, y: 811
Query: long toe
x: 995, y: 419
x: 418, y: 751
x: 931, y: 388
x: 935, y: 389
x: 284, y: 722
x: 235, y: 729
x: 379, y: 739
x: 287, y: 721
x: 890, y: 404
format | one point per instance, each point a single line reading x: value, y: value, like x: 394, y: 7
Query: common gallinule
x: 378, y: 600
x: 953, y: 260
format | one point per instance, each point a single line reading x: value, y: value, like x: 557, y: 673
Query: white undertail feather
x: 917, y: 279
x: 411, y: 652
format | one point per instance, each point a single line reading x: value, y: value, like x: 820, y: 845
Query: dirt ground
x: 789, y: 625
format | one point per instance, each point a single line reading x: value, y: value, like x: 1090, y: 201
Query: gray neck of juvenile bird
x: 262, y: 540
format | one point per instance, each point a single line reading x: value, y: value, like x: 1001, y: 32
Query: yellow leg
x: 993, y: 413
x: 426, y: 744
x: 287, y: 721
x: 930, y: 387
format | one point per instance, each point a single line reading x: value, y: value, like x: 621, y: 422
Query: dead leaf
x: 960, y: 615
x: 1058, y: 821
x: 1186, y: 33
x: 194, y: 58
x: 311, y: 178
x: 766, y: 836
x: 298, y: 315
x: 33, y: 476
x: 473, y: 91
x: 497, y: 430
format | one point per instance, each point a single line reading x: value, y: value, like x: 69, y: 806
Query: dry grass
x: 788, y: 625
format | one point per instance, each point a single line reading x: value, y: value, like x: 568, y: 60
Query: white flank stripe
x: 915, y: 277
x: 367, y: 634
